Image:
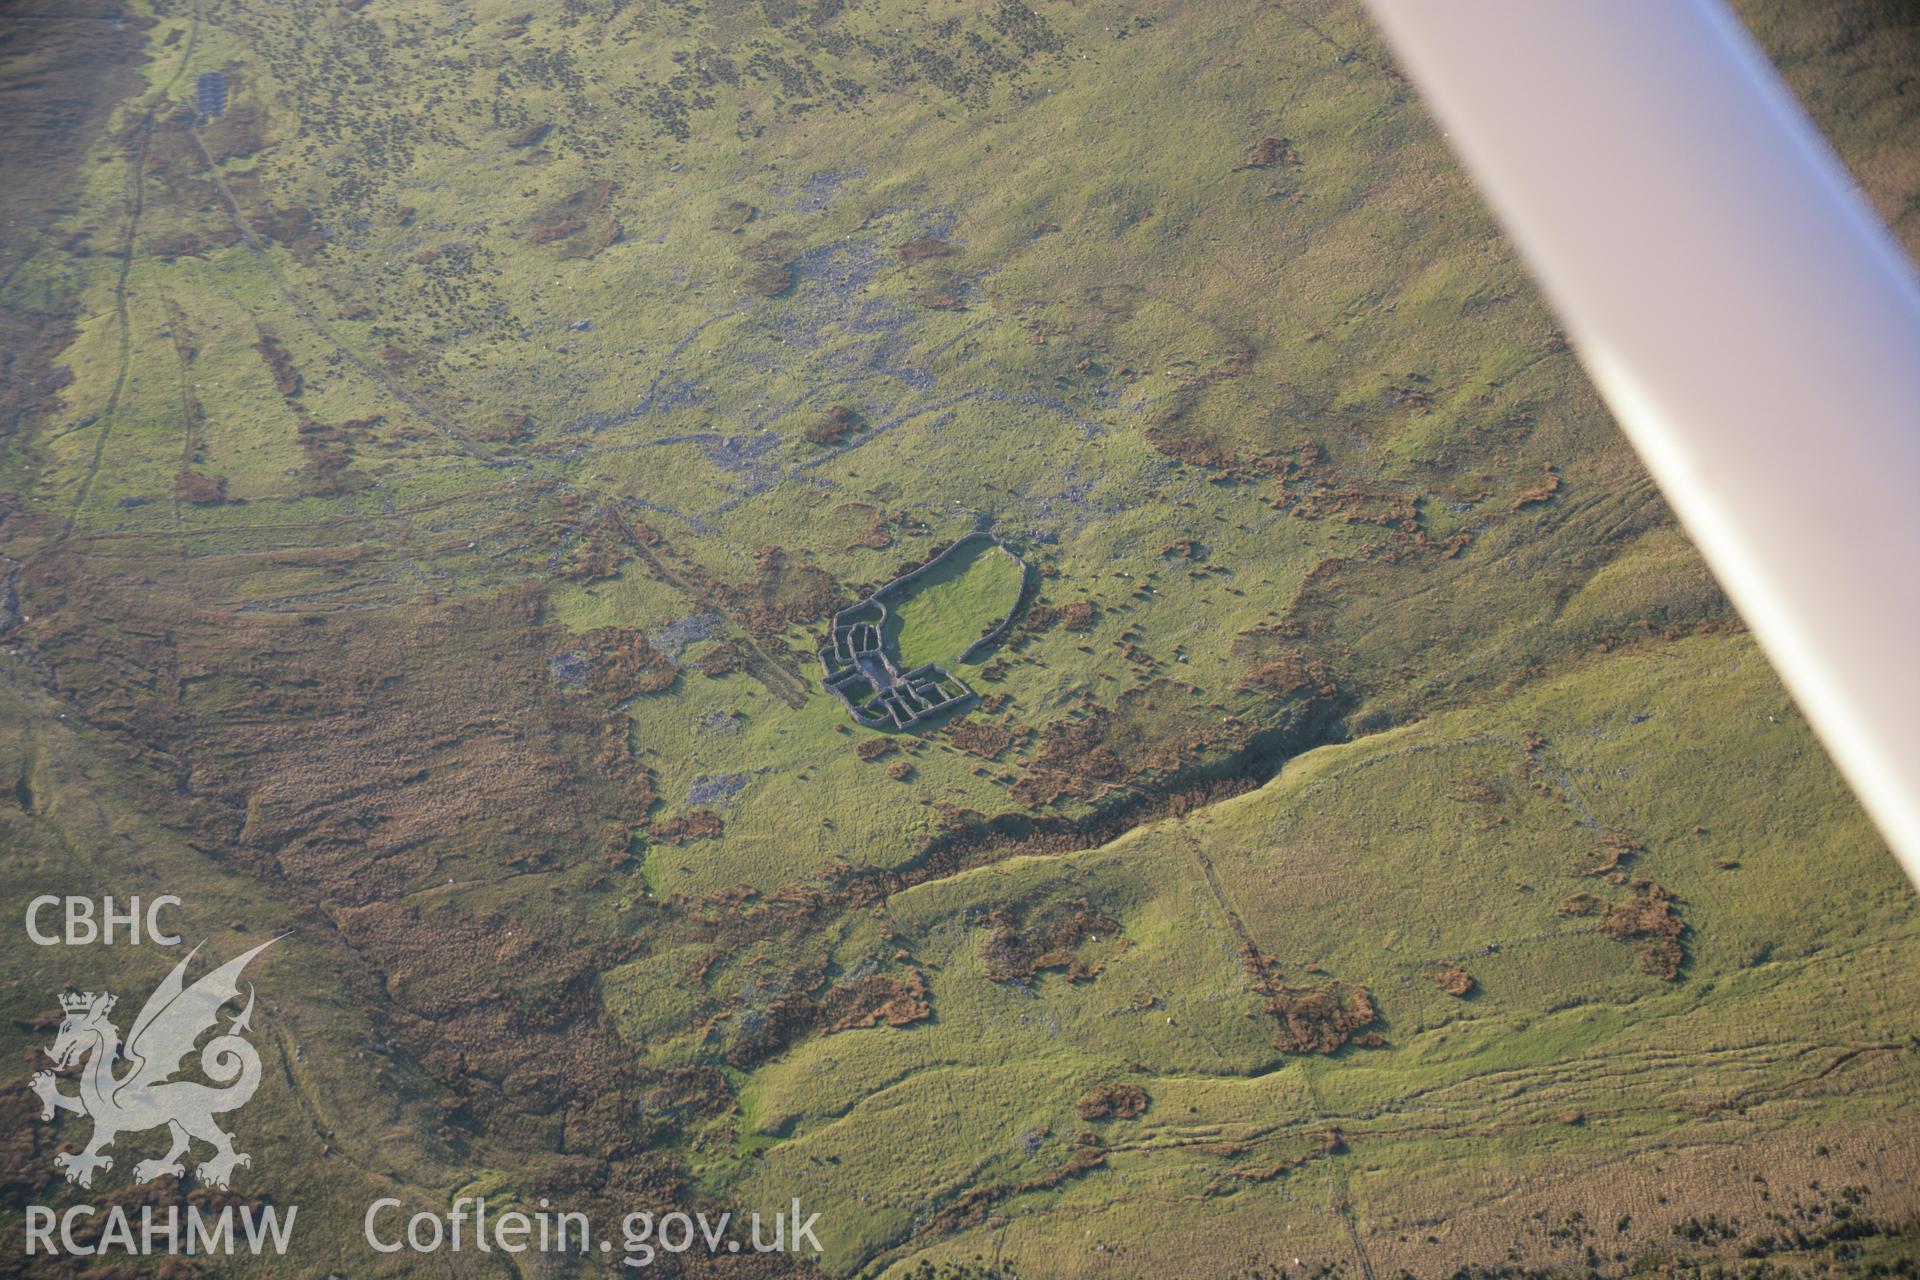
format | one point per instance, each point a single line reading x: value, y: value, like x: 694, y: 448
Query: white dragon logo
x: 143, y: 1097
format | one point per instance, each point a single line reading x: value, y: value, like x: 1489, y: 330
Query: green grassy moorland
x: 1377, y: 849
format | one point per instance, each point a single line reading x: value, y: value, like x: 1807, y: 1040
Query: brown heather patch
x: 330, y: 453
x: 787, y: 591
x: 581, y: 223
x: 694, y: 824
x: 26, y: 1145
x: 1112, y: 1101
x: 241, y: 129
x: 135, y: 1199
x: 1351, y: 504
x: 1155, y: 731
x: 595, y: 558
x: 286, y: 379
x: 189, y: 244
x: 501, y: 1007
x: 556, y: 231
x: 812, y: 1004
x: 1316, y: 1019
x: 504, y: 428
x: 925, y: 248
x: 986, y: 738
x: 1020, y: 947
x: 1617, y: 850
x: 624, y: 665
x: 876, y: 1000
x: 1038, y: 618
x: 1185, y: 549
x: 1539, y: 493
x: 774, y: 257
x: 599, y: 235
x: 1648, y: 921
x: 1272, y: 660
x: 1476, y: 791
x: 1074, y: 762
x: 199, y: 488
x: 776, y: 246
x: 723, y: 659
x: 361, y: 746
x: 1172, y: 434
x: 1269, y: 151
x: 840, y: 422
x: 354, y: 745
x: 295, y: 229
x: 734, y: 218
x: 593, y: 545
x: 356, y: 756
x: 1322, y: 1019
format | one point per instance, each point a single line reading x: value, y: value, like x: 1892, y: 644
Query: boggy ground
x: 429, y: 483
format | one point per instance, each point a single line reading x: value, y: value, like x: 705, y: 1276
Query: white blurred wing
x: 1748, y: 318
